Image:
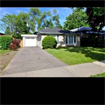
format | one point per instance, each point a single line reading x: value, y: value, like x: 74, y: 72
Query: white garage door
x: 30, y: 41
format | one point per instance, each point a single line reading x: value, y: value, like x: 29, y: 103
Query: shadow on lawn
x: 88, y: 52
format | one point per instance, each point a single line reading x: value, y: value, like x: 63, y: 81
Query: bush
x: 13, y: 47
x: 5, y: 42
x: 16, y: 42
x: 49, y: 42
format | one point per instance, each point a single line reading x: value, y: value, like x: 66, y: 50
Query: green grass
x: 99, y: 75
x: 4, y: 51
x: 78, y: 55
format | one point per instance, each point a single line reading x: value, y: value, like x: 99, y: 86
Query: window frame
x: 67, y: 42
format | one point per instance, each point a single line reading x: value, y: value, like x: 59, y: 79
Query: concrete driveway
x: 31, y: 59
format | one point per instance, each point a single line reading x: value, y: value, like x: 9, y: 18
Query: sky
x: 62, y: 11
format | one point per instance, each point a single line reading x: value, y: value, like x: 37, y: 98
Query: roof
x: 1, y: 33
x: 81, y: 29
x: 53, y: 31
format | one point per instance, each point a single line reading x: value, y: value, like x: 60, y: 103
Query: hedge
x: 5, y: 42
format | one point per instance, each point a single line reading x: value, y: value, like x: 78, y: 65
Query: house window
x: 58, y: 39
x: 66, y: 40
x: 74, y: 39
x: 70, y: 40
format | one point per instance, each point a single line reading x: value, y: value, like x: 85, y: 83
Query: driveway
x: 31, y: 59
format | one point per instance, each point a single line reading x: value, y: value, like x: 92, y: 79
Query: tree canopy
x: 75, y: 20
x: 25, y: 23
x: 96, y: 17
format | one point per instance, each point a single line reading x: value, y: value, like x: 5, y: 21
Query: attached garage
x: 29, y: 40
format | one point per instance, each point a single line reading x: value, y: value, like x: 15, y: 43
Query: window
x: 58, y: 39
x: 70, y: 40
x: 74, y: 39
x: 66, y: 40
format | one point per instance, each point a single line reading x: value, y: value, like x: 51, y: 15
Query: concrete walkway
x: 80, y: 70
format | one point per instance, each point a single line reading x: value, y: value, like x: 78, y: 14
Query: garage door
x: 30, y: 41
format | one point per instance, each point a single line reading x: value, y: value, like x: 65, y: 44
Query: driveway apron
x: 30, y: 59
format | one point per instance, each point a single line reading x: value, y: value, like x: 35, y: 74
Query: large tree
x: 16, y: 23
x: 34, y: 15
x: 8, y: 21
x: 96, y: 17
x: 55, y: 18
x: 21, y: 23
x: 75, y: 20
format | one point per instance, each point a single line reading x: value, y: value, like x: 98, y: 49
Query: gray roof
x: 53, y: 31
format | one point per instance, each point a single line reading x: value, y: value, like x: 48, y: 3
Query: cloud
x: 18, y: 11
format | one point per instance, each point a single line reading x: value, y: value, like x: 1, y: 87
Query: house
x: 82, y: 31
x: 1, y: 34
x: 64, y: 38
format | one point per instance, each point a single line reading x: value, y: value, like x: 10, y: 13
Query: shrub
x: 49, y: 42
x: 5, y: 42
x: 16, y: 42
x: 13, y: 47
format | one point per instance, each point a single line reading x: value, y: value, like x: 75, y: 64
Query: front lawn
x: 77, y: 55
x: 99, y: 75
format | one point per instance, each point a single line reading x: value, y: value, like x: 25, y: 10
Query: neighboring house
x: 1, y: 34
x: 64, y: 38
x: 82, y: 31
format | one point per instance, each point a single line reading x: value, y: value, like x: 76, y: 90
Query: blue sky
x: 62, y: 11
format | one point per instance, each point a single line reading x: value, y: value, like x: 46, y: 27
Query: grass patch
x: 99, y: 75
x: 78, y: 55
x: 2, y: 52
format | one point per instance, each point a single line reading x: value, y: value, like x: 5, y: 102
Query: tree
x: 45, y: 20
x: 96, y: 17
x: 76, y: 19
x: 56, y: 19
x: 7, y: 31
x: 21, y: 23
x: 34, y: 14
x: 8, y: 21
